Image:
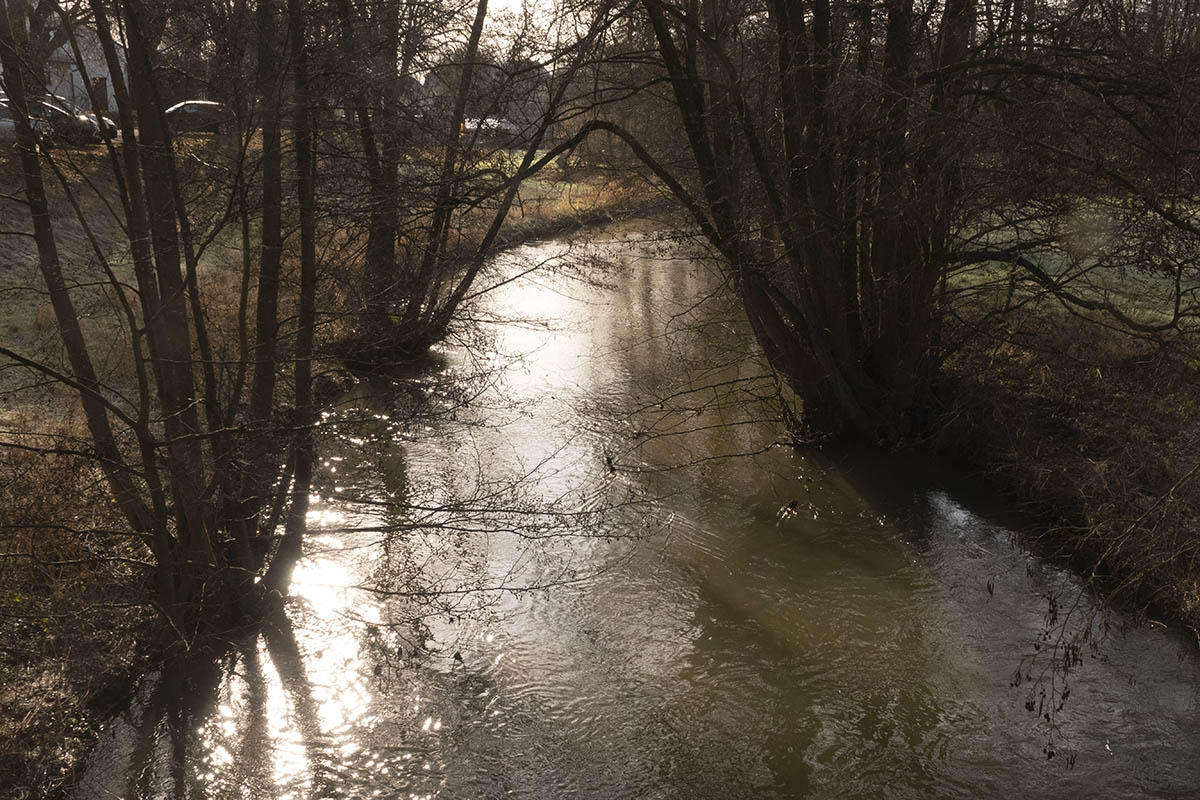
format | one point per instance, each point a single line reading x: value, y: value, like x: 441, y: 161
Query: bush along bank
x: 375, y: 338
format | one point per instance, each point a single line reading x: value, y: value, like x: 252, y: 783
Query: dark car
x: 200, y: 116
x: 8, y: 128
x: 65, y: 126
x: 108, y: 129
x: 55, y: 124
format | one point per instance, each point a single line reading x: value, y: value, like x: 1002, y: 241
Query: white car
x: 200, y: 116
x: 492, y: 129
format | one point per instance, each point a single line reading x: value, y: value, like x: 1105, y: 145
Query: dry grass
x: 28, y: 321
x: 73, y: 619
x: 70, y: 623
x: 555, y: 202
x: 1099, y: 433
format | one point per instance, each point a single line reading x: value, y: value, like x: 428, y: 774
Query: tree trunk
x: 280, y: 570
x: 259, y: 472
x: 443, y: 207
x: 177, y: 391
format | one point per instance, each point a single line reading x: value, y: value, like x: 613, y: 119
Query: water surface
x: 574, y: 560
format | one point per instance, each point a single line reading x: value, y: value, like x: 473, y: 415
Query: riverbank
x: 75, y: 627
x: 1097, y: 433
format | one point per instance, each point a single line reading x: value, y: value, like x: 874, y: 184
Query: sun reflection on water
x: 294, y: 711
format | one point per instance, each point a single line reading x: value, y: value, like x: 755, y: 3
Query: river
x: 573, y: 558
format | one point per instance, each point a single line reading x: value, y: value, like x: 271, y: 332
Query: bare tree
x: 431, y: 165
x: 196, y: 466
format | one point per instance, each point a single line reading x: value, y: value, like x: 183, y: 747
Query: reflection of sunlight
x: 333, y: 662
x: 290, y: 765
x: 327, y: 542
x: 529, y: 299
x: 321, y: 517
x: 323, y: 582
x: 535, y: 312
x: 308, y: 713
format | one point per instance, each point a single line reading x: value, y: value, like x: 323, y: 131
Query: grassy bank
x: 70, y: 610
x: 562, y: 200
x: 1097, y: 433
x: 73, y: 621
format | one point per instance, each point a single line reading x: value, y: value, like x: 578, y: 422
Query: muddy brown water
x: 593, y: 573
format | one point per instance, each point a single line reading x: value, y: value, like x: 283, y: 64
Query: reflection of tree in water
x: 147, y: 754
x: 252, y: 721
x: 254, y: 753
x: 454, y: 533
x: 773, y: 728
x: 289, y: 664
x: 793, y: 695
x: 270, y: 716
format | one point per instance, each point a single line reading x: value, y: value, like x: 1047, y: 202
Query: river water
x: 571, y: 558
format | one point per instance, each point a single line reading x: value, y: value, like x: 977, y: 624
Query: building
x: 65, y: 79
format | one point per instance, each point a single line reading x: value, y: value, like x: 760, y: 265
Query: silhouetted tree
x: 849, y: 159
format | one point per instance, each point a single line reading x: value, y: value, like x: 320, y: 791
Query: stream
x: 574, y: 559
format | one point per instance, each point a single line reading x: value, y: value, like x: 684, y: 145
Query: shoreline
x: 1101, y: 456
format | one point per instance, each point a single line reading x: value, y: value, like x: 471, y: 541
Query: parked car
x: 65, y: 126
x: 492, y: 129
x: 54, y: 124
x: 108, y: 129
x: 200, y: 116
